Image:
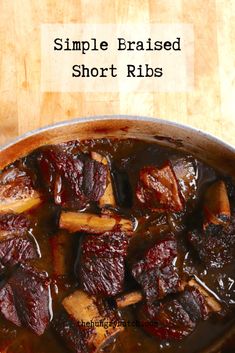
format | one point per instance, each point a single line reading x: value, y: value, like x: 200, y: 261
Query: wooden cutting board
x: 210, y: 106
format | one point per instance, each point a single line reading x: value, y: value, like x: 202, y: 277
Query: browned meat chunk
x: 170, y: 320
x: 94, y: 179
x: 158, y: 189
x: 17, y: 193
x: 156, y: 272
x: 194, y: 303
x: 185, y: 170
x: 28, y: 296
x: 17, y: 250
x: 101, y: 265
x: 25, y: 299
x: 13, y: 225
x: 16, y: 245
x: 95, y: 224
x: 212, y: 304
x: 175, y: 318
x: 73, y: 180
x: 216, y: 207
x: 7, y: 305
x: 72, y: 325
x: 214, y: 250
x: 75, y: 336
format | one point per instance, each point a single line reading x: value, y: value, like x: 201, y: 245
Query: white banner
x: 117, y: 58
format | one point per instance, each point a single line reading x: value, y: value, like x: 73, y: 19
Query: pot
x: 202, y: 145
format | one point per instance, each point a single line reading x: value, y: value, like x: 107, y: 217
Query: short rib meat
x: 176, y: 318
x: 185, y: 169
x: 7, y: 305
x: 101, y: 263
x: 16, y: 244
x: 17, y: 192
x: 158, y: 189
x: 72, y: 180
x: 27, y: 300
x: 155, y: 271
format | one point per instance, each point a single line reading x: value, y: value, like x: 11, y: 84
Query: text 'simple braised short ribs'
x: 115, y: 246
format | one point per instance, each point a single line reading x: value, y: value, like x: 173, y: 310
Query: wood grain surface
x: 210, y: 106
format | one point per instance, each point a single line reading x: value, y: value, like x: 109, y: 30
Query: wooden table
x: 209, y: 107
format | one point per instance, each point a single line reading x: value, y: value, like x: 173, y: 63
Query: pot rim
x: 186, y: 127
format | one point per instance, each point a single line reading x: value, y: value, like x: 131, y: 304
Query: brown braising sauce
x: 84, y: 223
